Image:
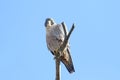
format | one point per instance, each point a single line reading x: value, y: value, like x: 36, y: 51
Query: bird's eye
x: 52, y: 22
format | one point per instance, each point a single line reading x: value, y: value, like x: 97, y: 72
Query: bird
x: 54, y: 38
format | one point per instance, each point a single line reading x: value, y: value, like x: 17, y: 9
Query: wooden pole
x: 57, y: 69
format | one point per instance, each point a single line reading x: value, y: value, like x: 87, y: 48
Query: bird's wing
x: 66, y: 57
x: 67, y: 60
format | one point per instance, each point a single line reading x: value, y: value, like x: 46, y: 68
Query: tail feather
x: 70, y: 68
x: 67, y: 61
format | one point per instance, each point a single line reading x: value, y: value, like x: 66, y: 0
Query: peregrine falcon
x: 54, y: 37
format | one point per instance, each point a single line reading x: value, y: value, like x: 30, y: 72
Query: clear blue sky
x: 95, y: 42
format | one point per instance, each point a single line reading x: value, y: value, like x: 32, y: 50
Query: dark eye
x: 52, y: 22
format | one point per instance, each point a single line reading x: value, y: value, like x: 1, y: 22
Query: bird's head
x: 49, y: 22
